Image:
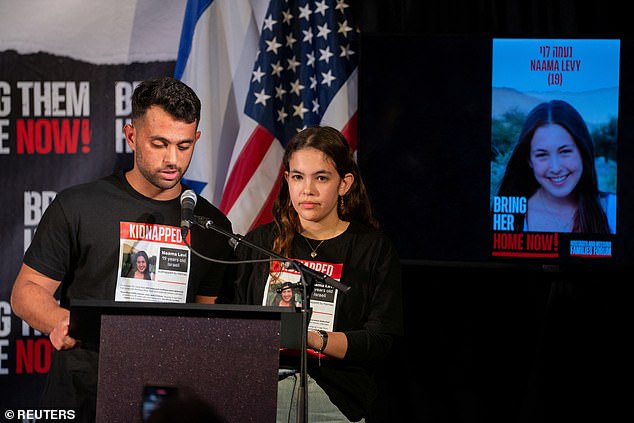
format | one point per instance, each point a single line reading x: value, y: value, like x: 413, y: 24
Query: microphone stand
x: 304, y: 271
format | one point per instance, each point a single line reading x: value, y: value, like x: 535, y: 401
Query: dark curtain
x: 506, y: 344
x: 526, y: 18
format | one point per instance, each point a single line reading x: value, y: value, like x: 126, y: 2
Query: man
x: 84, y: 234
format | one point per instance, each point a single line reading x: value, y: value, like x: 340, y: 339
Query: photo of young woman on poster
x: 552, y: 166
x: 554, y: 136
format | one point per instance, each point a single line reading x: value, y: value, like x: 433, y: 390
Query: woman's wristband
x: 324, y: 340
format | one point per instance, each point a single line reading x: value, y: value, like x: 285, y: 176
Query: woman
x: 286, y: 295
x: 322, y: 216
x: 552, y: 166
x: 140, y: 266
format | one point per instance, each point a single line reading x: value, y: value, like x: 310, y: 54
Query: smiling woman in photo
x: 140, y: 266
x: 552, y: 166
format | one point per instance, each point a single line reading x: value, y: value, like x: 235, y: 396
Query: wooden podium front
x: 227, y: 355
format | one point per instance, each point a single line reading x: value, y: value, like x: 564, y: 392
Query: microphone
x: 188, y: 202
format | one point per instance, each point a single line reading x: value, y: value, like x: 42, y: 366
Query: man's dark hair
x: 172, y: 95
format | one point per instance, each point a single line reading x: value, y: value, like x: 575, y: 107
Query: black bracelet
x: 324, y: 340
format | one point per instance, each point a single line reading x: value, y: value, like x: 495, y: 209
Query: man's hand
x: 59, y: 336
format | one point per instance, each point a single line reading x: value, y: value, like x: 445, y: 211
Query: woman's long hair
x: 146, y: 274
x: 519, y: 180
x: 355, y: 204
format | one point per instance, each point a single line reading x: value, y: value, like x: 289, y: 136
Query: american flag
x: 303, y: 72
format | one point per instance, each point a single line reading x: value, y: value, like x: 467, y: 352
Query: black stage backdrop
x: 488, y: 342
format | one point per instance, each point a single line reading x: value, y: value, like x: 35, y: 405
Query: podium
x: 228, y: 355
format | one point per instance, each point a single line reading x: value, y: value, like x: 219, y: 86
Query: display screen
x: 499, y: 150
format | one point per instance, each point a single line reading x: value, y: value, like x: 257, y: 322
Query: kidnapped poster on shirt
x: 554, y: 148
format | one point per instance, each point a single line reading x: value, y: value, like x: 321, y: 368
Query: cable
x: 266, y: 260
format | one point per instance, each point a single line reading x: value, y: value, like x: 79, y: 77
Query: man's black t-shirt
x: 77, y: 240
x: 78, y: 243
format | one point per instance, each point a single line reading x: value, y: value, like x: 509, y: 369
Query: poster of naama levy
x: 554, y: 120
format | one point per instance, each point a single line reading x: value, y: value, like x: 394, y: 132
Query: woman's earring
x: 341, y: 201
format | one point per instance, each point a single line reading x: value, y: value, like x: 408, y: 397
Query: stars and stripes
x: 303, y: 73
x: 307, y: 51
